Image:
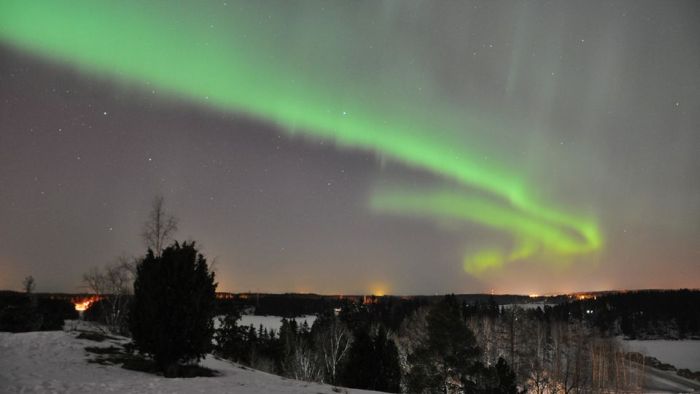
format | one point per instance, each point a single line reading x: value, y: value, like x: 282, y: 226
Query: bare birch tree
x: 304, y: 364
x: 158, y: 230
x: 333, y: 343
x: 113, y: 285
x: 28, y: 284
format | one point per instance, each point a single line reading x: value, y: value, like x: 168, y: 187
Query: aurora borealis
x: 484, y: 135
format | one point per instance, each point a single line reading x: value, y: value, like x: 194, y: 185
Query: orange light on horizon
x: 379, y: 289
x: 82, y: 304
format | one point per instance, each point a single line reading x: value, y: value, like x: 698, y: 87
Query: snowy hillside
x: 57, y: 362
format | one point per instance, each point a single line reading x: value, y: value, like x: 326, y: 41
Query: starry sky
x: 402, y: 147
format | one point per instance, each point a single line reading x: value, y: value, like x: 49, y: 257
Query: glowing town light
x: 83, y: 304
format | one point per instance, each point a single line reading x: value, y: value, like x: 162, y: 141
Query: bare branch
x: 28, y: 284
x: 160, y: 227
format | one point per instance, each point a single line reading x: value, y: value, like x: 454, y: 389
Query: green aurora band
x: 236, y: 62
x: 529, y: 232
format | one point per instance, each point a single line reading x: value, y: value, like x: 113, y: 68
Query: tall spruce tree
x: 388, y: 369
x: 359, y: 369
x: 372, y: 363
x: 444, y: 361
x: 174, y: 300
x: 230, y: 339
x: 496, y: 379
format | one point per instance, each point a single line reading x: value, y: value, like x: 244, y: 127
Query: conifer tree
x: 445, y: 359
x: 373, y: 363
x: 174, y: 300
x: 388, y: 370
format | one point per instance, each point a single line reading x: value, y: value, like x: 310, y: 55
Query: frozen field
x: 268, y: 322
x: 273, y: 322
x: 680, y: 354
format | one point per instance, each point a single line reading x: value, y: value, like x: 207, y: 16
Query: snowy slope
x: 56, y: 362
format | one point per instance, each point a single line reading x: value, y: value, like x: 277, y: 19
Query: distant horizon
x: 534, y: 296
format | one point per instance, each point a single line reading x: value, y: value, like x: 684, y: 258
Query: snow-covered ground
x: 680, y: 354
x: 57, y: 362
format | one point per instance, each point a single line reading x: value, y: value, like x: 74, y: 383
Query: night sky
x: 356, y: 147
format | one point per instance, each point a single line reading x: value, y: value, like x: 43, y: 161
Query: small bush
x: 22, y: 313
x: 20, y: 318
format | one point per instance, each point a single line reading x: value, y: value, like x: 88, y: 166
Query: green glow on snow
x: 308, y: 84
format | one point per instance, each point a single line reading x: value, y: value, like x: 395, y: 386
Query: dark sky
x: 387, y: 147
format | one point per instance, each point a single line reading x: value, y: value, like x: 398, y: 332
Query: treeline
x: 289, y: 305
x: 298, y: 304
x: 551, y: 351
x: 21, y: 312
x: 326, y: 352
x: 649, y: 314
x: 349, y: 349
x: 387, y: 344
x: 452, y: 345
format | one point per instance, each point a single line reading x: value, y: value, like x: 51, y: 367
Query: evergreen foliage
x: 230, y: 339
x: 373, y: 363
x: 22, y: 312
x: 445, y: 359
x: 172, y: 310
x: 497, y: 379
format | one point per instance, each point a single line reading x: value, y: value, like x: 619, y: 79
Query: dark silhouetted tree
x: 497, y: 379
x: 359, y: 369
x: 388, y: 375
x: 373, y: 363
x: 230, y: 339
x: 444, y: 361
x: 173, y: 306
